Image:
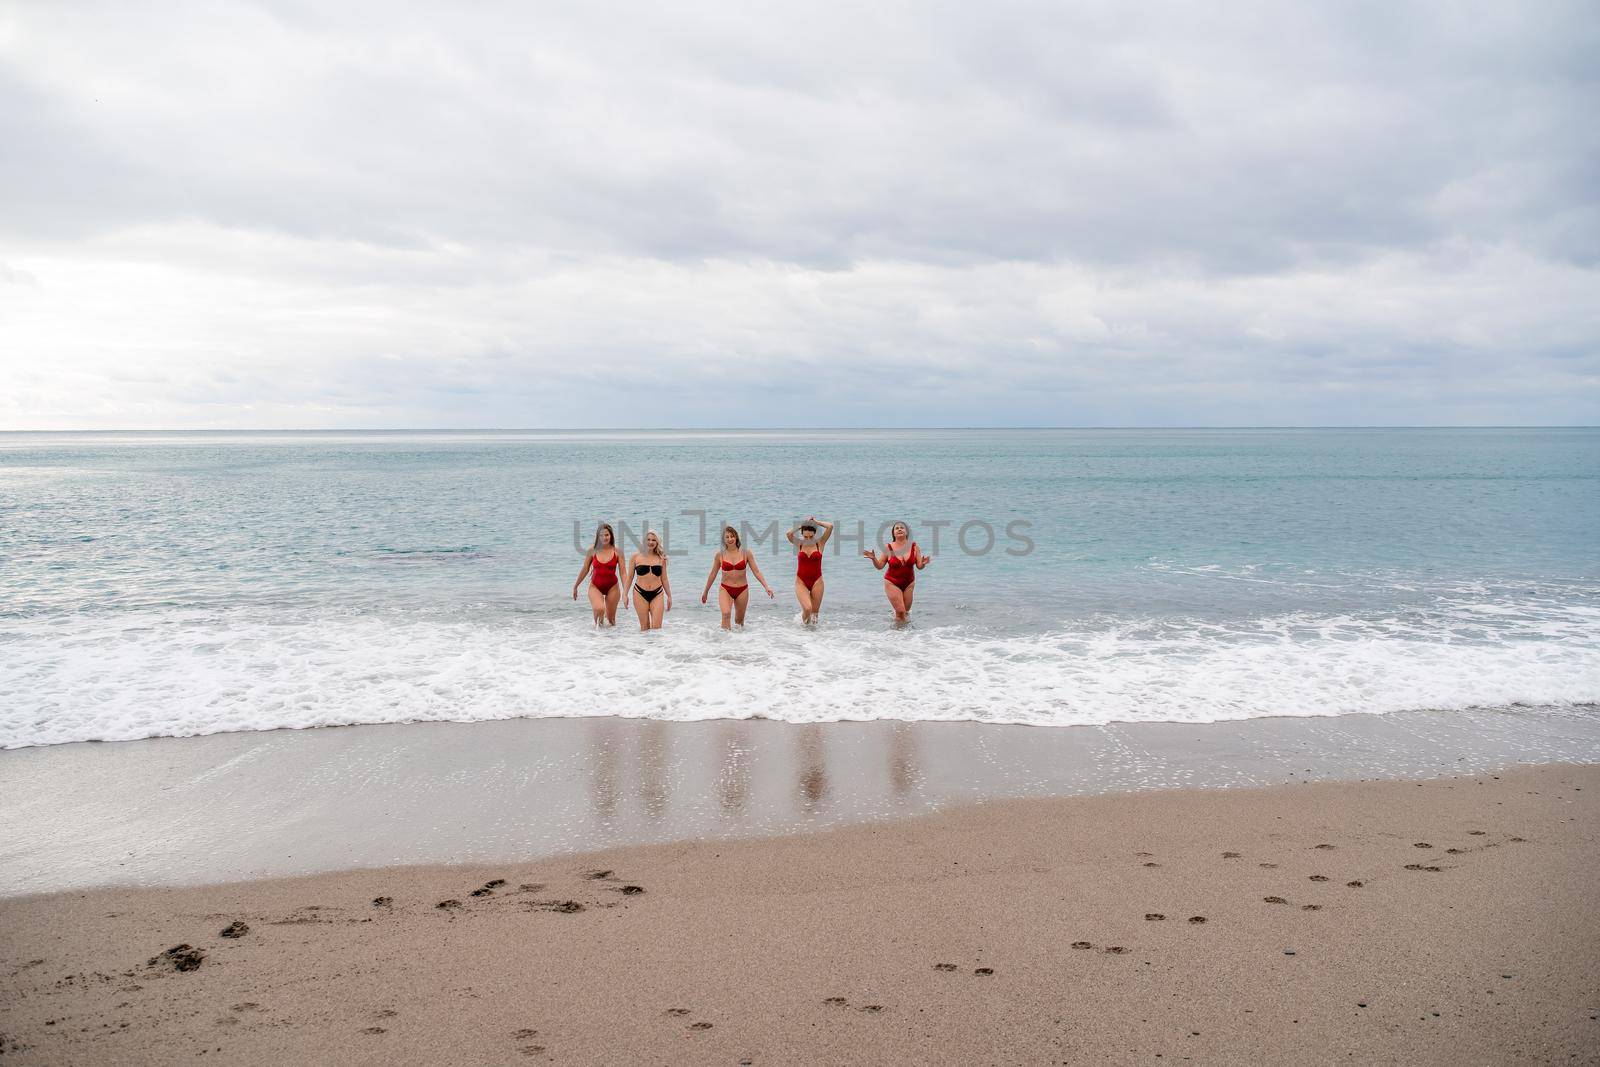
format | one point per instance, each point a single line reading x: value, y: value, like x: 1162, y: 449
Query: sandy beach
x: 1455, y: 919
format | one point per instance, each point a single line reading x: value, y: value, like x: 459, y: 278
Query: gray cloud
x: 287, y: 214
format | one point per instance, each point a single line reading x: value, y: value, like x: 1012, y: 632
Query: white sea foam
x: 181, y: 673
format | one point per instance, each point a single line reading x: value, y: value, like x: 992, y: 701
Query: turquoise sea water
x: 191, y: 583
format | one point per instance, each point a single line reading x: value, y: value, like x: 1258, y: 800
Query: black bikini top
x: 648, y: 568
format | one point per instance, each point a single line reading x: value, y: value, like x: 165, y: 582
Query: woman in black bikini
x: 731, y: 560
x: 647, y: 583
x: 902, y: 560
x: 603, y: 592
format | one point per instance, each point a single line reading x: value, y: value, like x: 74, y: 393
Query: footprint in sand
x: 494, y: 883
x: 1153, y: 916
x: 449, y: 905
x: 836, y: 1002
x: 1267, y: 866
x: 1319, y: 878
x: 1421, y: 867
x: 1421, y: 844
x: 702, y: 1025
x: 374, y: 1030
x: 1152, y: 864
x: 1519, y: 840
x: 1197, y: 919
x: 530, y: 887
x: 1477, y: 833
x: 631, y: 890
x: 1082, y: 944
x: 563, y: 907
x: 1311, y: 907
x: 1231, y: 855
x: 383, y: 902
x: 872, y: 1009
x: 598, y: 874
x: 483, y: 892
x: 985, y: 971
x: 234, y: 929
x: 677, y: 1011
x: 1116, y: 950
x: 1274, y: 900
x: 525, y: 1033
x: 944, y: 966
x: 1324, y: 846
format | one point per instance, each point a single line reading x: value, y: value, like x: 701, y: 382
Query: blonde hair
x: 660, y: 548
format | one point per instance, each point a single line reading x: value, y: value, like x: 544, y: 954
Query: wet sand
x: 177, y: 811
x: 1455, y: 919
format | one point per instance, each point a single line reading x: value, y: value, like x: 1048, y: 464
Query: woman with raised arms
x: 808, y: 587
x: 732, y: 560
x: 647, y: 581
x: 604, y: 591
x: 902, y: 560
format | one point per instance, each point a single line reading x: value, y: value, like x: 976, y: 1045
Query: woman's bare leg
x: 804, y: 597
x: 740, y: 604
x: 613, y: 599
x: 816, y: 600
x: 725, y: 602
x: 658, y: 611
x: 642, y: 610
x: 597, y: 604
x: 897, y: 600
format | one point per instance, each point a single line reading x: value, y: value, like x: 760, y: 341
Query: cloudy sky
x: 477, y: 215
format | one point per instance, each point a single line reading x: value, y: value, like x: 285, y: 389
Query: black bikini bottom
x: 648, y: 594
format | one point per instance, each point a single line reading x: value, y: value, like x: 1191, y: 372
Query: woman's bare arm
x: 588, y: 561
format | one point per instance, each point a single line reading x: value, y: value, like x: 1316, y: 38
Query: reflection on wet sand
x: 904, y: 772
x: 603, y: 736
x: 733, y: 773
x: 813, y: 766
x: 653, y: 767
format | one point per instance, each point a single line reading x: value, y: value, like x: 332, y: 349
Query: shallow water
x: 196, y: 583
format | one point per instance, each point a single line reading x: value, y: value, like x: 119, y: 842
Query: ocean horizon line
x: 802, y: 429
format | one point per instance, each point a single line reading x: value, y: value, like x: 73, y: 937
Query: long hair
x: 737, y: 543
x: 897, y: 522
x: 660, y: 549
x: 605, y: 527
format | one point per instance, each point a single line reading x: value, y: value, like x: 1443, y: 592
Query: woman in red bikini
x: 604, y: 590
x: 647, y: 583
x: 902, y: 560
x: 808, y: 587
x: 731, y: 561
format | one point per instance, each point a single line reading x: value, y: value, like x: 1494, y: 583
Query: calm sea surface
x: 194, y: 583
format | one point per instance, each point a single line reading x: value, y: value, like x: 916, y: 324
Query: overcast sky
x: 581, y: 214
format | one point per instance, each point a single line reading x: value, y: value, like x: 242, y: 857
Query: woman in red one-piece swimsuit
x: 808, y: 587
x: 604, y: 590
x: 902, y: 560
x: 731, y: 561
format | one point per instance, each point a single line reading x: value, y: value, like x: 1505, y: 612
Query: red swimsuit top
x: 732, y: 566
x: 605, y: 574
x: 900, y: 571
x: 810, y: 566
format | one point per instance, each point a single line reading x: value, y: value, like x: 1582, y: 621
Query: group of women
x: 643, y: 578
